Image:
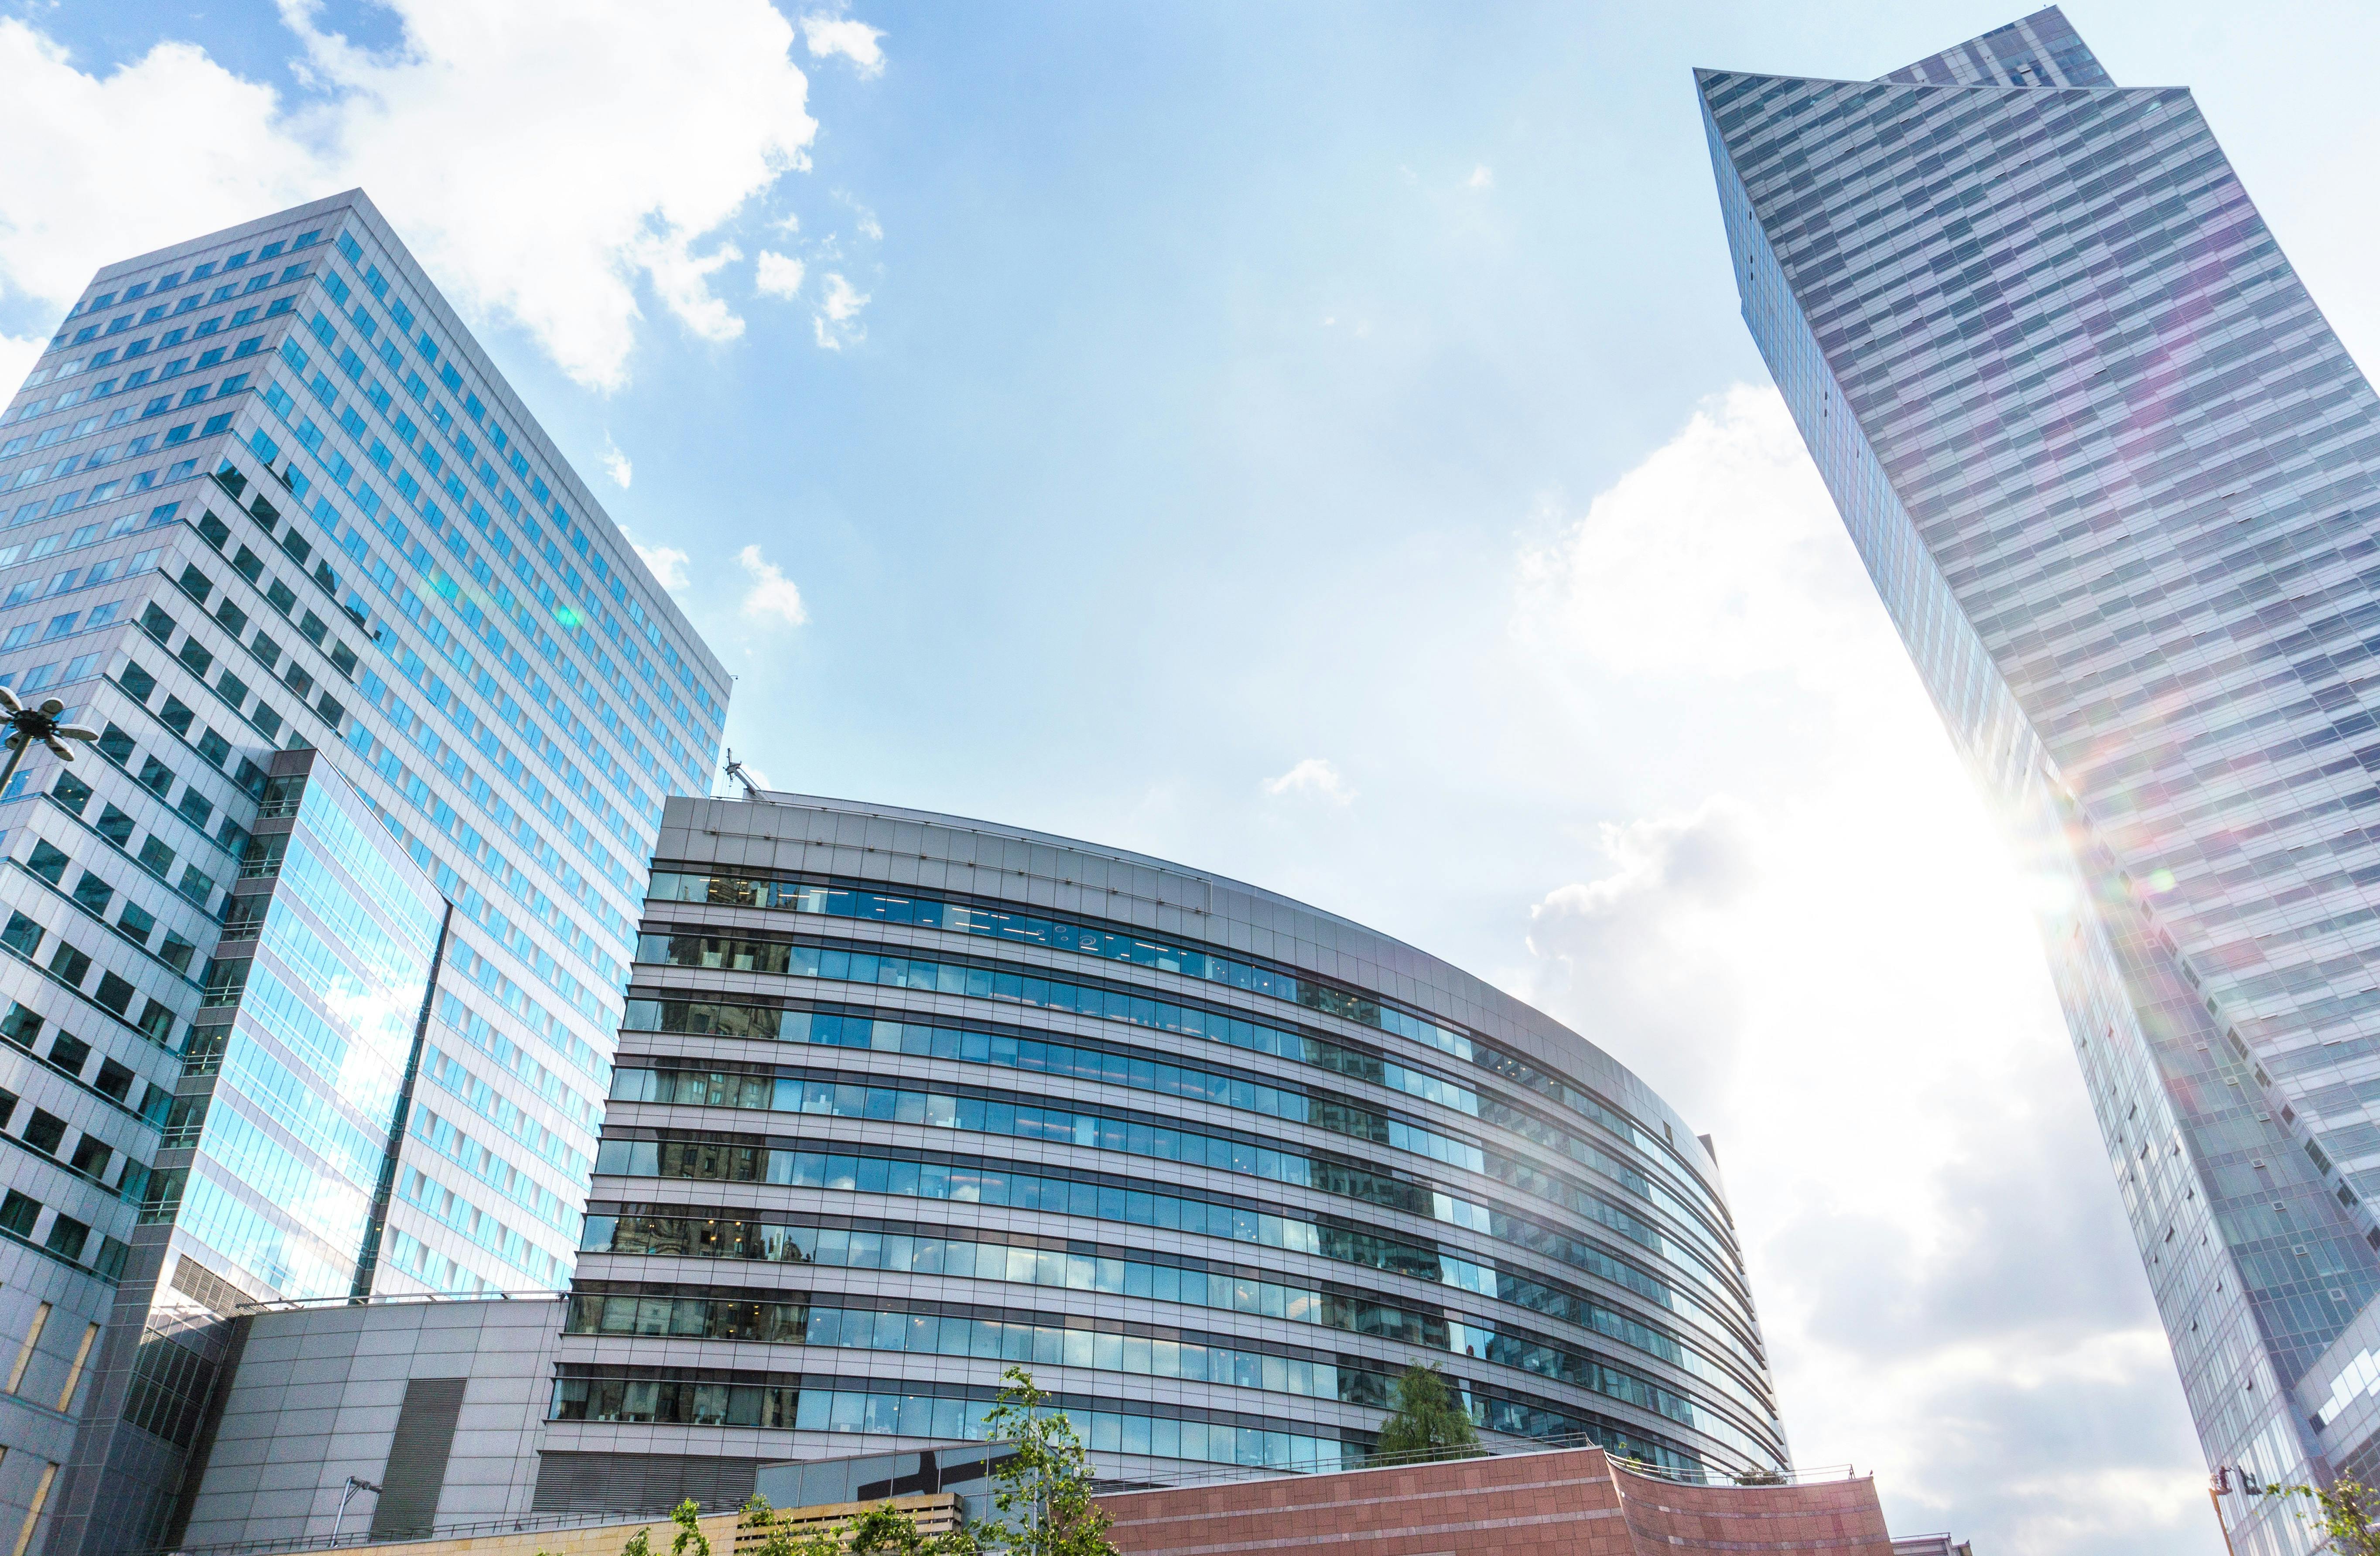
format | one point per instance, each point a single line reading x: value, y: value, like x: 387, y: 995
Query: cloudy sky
x: 1315, y: 442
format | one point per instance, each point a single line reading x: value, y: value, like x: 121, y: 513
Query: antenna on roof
x: 735, y: 771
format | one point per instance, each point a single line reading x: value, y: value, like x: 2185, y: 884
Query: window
x: 114, y: 1080
x: 196, y: 884
x: 177, y: 715
x: 213, y: 747
x: 66, y: 1236
x: 135, y: 924
x: 114, y: 993
x: 18, y: 1214
x: 69, y: 964
x: 71, y: 792
x: 155, y: 777
x: 195, y: 808
x: 115, y: 827
x: 92, y: 895
x: 20, y: 1026
x: 280, y: 597
x: 154, y: 856
x: 46, y: 861
x: 44, y: 1132
x: 194, y: 654
x: 69, y: 1054
x: 24, y: 938
x: 234, y: 619
x: 115, y: 745
x: 176, y: 952
x: 91, y: 1158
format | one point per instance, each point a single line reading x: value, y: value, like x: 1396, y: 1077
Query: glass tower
x: 310, y: 975
x: 2117, y: 481
x: 903, y: 1100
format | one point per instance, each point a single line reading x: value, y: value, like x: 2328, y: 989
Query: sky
x: 1318, y: 444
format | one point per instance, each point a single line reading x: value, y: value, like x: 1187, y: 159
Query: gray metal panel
x: 417, y: 1459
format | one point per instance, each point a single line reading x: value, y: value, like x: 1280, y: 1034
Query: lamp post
x: 354, y: 1484
x: 27, y: 725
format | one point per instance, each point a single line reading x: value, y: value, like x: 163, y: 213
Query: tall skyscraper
x: 2118, y: 483
x: 904, y: 1098
x: 312, y: 968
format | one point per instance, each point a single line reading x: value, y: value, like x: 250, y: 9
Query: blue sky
x: 1316, y: 443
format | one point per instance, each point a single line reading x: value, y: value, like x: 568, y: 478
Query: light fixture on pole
x: 26, y: 724
x: 354, y: 1483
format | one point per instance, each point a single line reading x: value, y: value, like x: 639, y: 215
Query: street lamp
x: 26, y: 724
x: 354, y: 1483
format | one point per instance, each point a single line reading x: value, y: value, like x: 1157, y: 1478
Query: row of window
x: 71, y: 966
x: 343, y: 473
x: 1060, y: 1339
x: 135, y: 380
x: 46, y: 1133
x: 411, y: 666
x: 343, y: 659
x: 484, y: 1162
x: 1140, y: 1071
x: 85, y: 463
x: 484, y: 1230
x: 20, y: 1217
x: 106, y: 492
x: 171, y: 279
x: 1162, y: 1139
x: 514, y: 459
x: 920, y: 1414
x: 1137, y: 949
x: 1018, y: 1259
x: 480, y: 611
x: 744, y: 1159
x: 1139, y: 1009
x: 497, y: 1108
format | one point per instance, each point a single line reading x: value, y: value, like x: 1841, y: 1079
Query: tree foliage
x: 1427, y: 1421
x: 2346, y: 1512
x: 1042, y: 1486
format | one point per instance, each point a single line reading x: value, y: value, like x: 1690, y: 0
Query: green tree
x: 690, y: 1540
x: 2348, y: 1512
x: 640, y: 1544
x: 1042, y: 1488
x: 1427, y: 1421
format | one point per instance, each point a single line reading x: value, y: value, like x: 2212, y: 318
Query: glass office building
x: 310, y: 975
x: 2117, y: 481
x: 902, y: 1100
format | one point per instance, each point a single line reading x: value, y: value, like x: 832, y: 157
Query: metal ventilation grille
x: 640, y: 1482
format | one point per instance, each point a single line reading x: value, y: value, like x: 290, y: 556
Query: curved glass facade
x: 902, y: 1100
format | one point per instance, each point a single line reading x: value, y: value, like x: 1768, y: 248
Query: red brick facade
x: 1574, y: 1503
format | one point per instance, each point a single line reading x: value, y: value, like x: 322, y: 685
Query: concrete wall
x: 317, y: 1399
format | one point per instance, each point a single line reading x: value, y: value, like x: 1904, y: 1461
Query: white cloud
x: 776, y: 275
x: 1836, y: 975
x: 542, y: 159
x: 1482, y: 178
x: 855, y: 41
x: 1719, y: 555
x: 773, y: 594
x: 1314, y: 776
x: 616, y: 463
x: 864, y: 221
x: 667, y: 563
x: 17, y: 357
x: 834, y: 319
